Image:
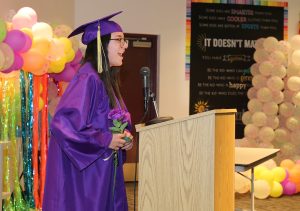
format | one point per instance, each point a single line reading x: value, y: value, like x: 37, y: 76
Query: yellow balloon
x: 41, y: 44
x: 258, y: 170
x: 56, y: 49
x: 67, y: 43
x: 56, y: 66
x: 267, y: 175
x: 276, y: 189
x: 70, y: 55
x: 279, y: 174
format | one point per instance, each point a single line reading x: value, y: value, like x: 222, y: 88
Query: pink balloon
x: 16, y: 39
x: 20, y: 21
x: 289, y: 188
x: 66, y: 75
x: 78, y: 57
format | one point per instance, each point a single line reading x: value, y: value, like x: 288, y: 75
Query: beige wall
x: 164, y: 18
x: 167, y: 19
x: 52, y: 11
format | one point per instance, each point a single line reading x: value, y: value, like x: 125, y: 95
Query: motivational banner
x: 223, y: 37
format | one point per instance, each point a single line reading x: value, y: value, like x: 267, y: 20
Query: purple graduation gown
x: 78, y: 177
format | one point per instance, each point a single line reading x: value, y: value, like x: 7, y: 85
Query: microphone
x: 145, y: 72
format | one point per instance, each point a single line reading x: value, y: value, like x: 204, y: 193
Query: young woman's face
x: 116, y: 48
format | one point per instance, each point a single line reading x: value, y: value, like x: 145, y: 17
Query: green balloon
x: 2, y: 30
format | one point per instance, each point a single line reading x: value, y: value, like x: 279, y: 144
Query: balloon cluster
x: 273, y: 180
x: 273, y: 116
x: 268, y: 73
x: 36, y: 48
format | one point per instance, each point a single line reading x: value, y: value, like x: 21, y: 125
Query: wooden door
x: 141, y: 52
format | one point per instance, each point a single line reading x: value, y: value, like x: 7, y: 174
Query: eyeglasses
x: 122, y: 41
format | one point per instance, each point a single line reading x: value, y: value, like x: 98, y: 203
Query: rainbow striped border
x: 246, y: 2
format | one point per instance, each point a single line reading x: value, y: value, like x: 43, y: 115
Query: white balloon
x: 293, y: 83
x: 259, y: 43
x: 273, y: 122
x: 295, y: 42
x: 265, y: 68
x: 293, y: 70
x: 279, y: 70
x: 292, y: 123
x: 251, y: 93
x: 264, y: 94
x: 259, y: 81
x: 271, y: 44
x: 254, y: 69
x: 284, y: 46
x: 41, y: 29
x: 266, y: 134
x: 251, y: 131
x: 297, y: 112
x: 260, y: 55
x: 275, y: 83
x: 295, y: 136
x: 277, y: 97
x: 296, y: 57
x: 270, y: 108
x: 286, y: 109
x: 246, y: 117
x: 282, y: 134
x: 277, y: 57
x: 296, y: 98
x: 259, y: 119
x: 254, y: 105
x: 288, y: 95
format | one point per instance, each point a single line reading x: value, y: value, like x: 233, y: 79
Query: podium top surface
x: 246, y: 158
x: 140, y: 127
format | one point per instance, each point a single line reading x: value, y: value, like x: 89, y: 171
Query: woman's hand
x: 117, y: 141
x: 128, y: 144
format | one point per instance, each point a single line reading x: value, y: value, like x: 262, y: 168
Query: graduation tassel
x: 99, y: 56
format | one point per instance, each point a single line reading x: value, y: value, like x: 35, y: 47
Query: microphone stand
x: 157, y: 119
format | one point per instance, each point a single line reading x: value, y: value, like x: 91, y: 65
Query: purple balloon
x: 289, y: 188
x: 66, y: 75
x: 16, y: 39
x: 27, y: 45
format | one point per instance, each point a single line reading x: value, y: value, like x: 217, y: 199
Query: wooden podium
x: 188, y: 164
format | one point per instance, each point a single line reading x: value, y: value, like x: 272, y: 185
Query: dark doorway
x: 141, y: 52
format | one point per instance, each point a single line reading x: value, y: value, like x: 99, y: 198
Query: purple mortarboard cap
x: 90, y: 29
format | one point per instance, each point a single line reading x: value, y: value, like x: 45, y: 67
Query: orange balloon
x: 41, y: 44
x: 287, y: 163
x: 34, y: 62
x: 294, y: 175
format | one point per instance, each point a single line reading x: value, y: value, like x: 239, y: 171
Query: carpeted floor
x: 284, y: 203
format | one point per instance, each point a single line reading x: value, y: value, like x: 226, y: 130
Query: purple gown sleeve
x: 80, y: 124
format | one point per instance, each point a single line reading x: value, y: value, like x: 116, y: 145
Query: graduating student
x: 86, y: 150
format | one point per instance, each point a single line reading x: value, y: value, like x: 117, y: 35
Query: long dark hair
x: 110, y: 75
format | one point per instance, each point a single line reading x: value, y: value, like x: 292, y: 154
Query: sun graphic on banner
x: 201, y: 106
